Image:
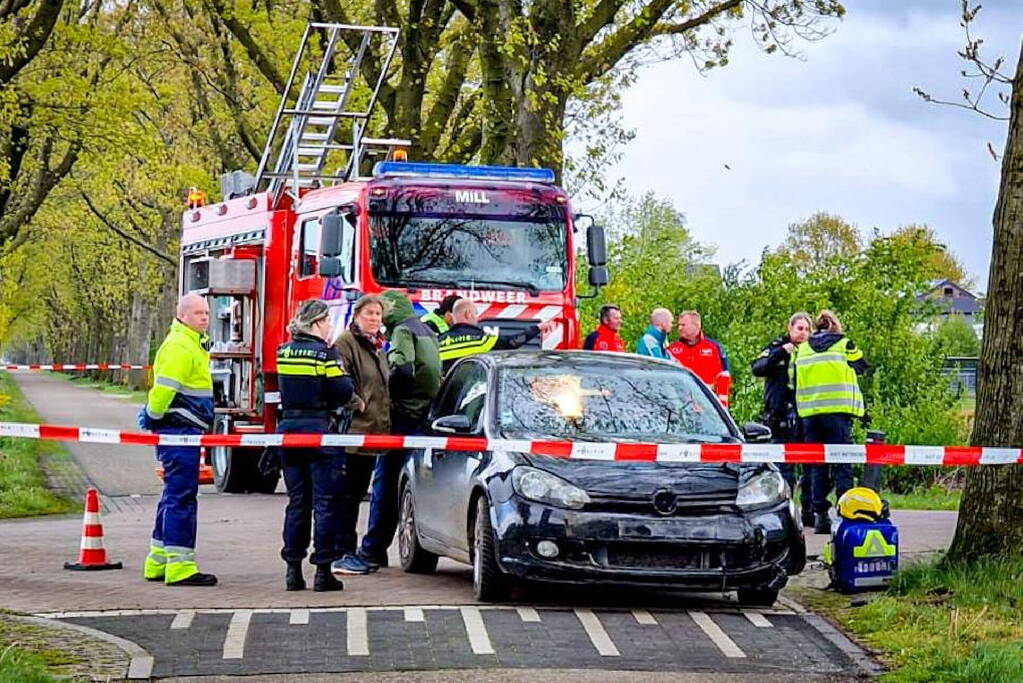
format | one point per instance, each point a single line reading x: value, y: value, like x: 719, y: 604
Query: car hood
x: 642, y: 479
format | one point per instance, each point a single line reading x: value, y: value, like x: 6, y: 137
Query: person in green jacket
x: 414, y: 359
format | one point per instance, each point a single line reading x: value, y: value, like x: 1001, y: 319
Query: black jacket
x: 466, y: 340
x: 310, y: 377
x: 773, y: 365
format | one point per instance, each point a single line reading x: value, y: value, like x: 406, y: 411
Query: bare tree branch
x: 124, y: 235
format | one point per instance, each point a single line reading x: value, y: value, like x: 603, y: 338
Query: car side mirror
x: 754, y: 432
x: 452, y: 424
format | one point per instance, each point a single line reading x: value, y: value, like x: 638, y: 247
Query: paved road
x: 189, y: 642
x: 114, y: 470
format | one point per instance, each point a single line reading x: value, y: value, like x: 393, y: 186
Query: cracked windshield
x: 584, y: 403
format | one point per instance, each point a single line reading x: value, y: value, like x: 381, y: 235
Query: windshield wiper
x: 422, y: 283
x: 528, y: 286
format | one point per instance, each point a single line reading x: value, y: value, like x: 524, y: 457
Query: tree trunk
x: 991, y: 514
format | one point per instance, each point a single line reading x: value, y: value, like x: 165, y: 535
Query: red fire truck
x: 313, y: 225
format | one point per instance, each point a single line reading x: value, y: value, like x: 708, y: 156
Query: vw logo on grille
x: 665, y: 502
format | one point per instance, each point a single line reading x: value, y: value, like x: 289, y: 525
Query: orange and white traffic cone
x: 92, y: 555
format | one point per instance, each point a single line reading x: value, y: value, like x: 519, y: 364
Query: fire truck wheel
x: 259, y: 482
x: 230, y: 475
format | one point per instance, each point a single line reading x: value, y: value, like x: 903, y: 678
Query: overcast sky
x: 838, y: 131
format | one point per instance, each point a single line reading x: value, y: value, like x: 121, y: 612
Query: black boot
x: 325, y: 581
x: 293, y: 580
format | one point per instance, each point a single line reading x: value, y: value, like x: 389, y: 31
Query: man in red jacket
x: 701, y: 354
x: 606, y: 337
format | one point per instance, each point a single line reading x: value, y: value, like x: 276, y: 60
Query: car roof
x: 551, y: 358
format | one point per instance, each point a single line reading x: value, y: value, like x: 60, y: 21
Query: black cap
x: 447, y: 304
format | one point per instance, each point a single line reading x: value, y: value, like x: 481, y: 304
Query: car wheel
x: 759, y: 597
x: 414, y: 559
x: 489, y: 583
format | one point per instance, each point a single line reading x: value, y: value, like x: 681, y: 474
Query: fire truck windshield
x: 497, y: 251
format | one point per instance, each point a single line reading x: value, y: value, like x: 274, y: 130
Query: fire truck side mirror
x: 330, y: 237
x: 596, y: 245
x: 331, y: 266
x: 598, y: 276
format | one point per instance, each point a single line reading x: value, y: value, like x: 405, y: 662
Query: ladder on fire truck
x: 309, y: 151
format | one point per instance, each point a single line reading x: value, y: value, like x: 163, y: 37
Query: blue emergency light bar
x: 413, y: 170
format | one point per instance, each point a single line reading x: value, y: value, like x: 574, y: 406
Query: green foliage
x: 954, y: 336
x: 23, y: 489
x: 824, y: 263
x: 21, y: 666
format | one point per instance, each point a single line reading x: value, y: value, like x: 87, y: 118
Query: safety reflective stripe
x: 851, y: 403
x: 178, y: 553
x: 188, y: 414
x: 467, y: 348
x: 171, y: 383
x: 874, y: 545
x: 822, y: 389
x: 334, y: 370
x: 826, y: 357
x: 297, y: 370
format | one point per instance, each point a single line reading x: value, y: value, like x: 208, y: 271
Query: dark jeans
x: 358, y: 470
x: 781, y: 432
x: 175, y: 524
x: 315, y: 482
x: 836, y: 429
x: 383, y: 508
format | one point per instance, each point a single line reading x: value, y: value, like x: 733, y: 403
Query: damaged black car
x: 520, y: 517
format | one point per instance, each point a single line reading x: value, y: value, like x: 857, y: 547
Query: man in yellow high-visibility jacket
x: 180, y: 402
x: 828, y: 397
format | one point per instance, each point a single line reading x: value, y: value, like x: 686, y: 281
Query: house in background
x: 954, y: 299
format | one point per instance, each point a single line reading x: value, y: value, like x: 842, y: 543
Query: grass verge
x: 925, y: 498
x: 23, y: 489
x: 21, y: 666
x: 961, y: 624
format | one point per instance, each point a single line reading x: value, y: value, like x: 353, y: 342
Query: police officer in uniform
x: 467, y: 338
x: 180, y: 402
x: 780, y: 400
x: 828, y: 397
x: 313, y: 385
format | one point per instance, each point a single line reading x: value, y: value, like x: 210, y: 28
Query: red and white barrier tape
x: 801, y: 453
x: 65, y: 367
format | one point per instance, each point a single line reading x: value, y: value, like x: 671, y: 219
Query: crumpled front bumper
x: 719, y: 551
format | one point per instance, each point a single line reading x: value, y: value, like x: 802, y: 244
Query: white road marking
x: 183, y: 619
x: 414, y: 614
x: 479, y: 639
x: 757, y: 619
x: 298, y: 617
x: 237, y: 630
x: 644, y: 617
x: 528, y: 614
x: 725, y: 644
x: 598, y: 636
x: 357, y: 633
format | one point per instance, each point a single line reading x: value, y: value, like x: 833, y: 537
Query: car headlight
x: 544, y: 487
x: 766, y: 487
